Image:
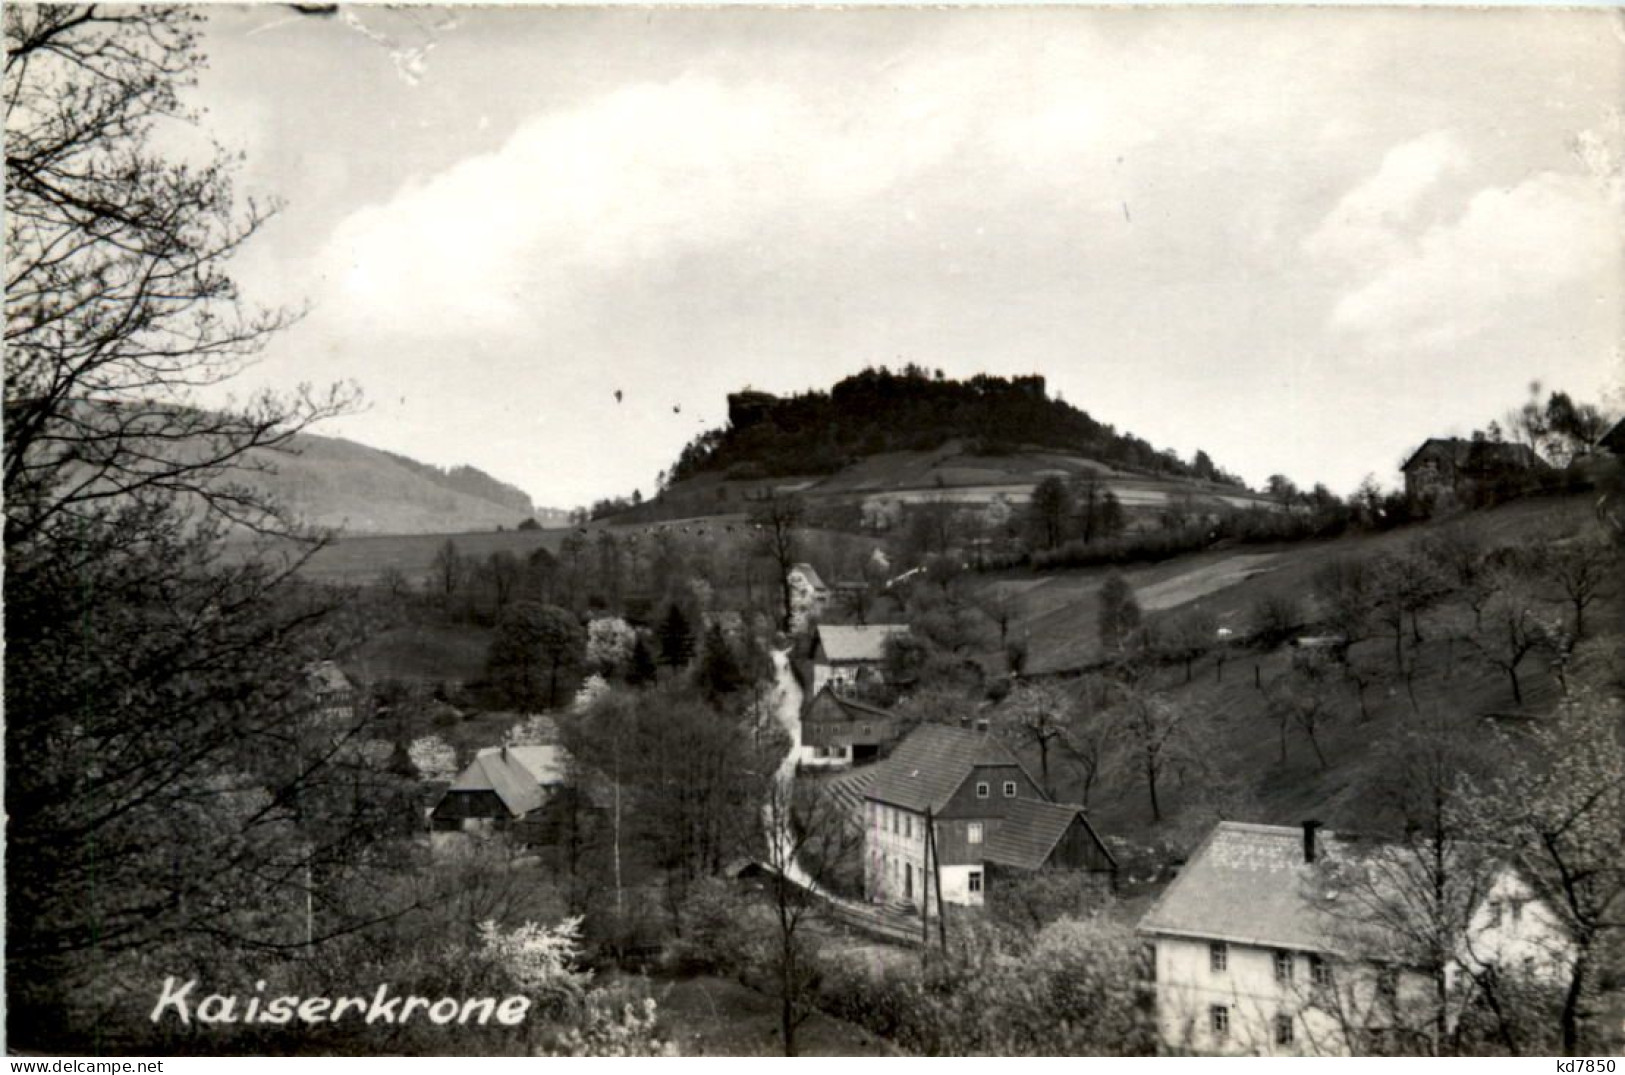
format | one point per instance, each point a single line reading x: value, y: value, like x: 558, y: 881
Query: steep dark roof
x: 852, y: 710
x: 1030, y: 830
x: 1614, y: 439
x: 1481, y: 454
x: 928, y: 766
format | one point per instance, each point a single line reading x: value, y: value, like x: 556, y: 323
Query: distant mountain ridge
x: 333, y: 482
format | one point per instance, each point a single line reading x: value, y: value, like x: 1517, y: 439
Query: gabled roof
x: 1247, y: 884
x: 545, y: 762
x: 1614, y: 439
x: 851, y: 710
x: 326, y: 677
x: 843, y: 644
x: 807, y: 572
x: 1475, y: 453
x: 513, y: 783
x: 931, y: 763
x: 1030, y: 830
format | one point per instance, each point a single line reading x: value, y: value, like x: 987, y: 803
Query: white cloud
x: 1510, y: 253
x: 642, y: 168
x: 1371, y: 220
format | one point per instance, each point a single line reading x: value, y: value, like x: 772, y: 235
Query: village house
x: 1267, y: 944
x: 837, y: 732
x: 333, y: 694
x: 851, y: 658
x: 1469, y: 471
x: 501, y: 786
x: 1614, y: 440
x: 809, y: 597
x: 956, y: 803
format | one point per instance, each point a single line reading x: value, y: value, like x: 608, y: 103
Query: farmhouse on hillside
x: 1614, y: 440
x: 1269, y: 942
x: 500, y: 786
x: 850, y: 658
x: 837, y: 732
x: 956, y: 802
x: 1469, y: 471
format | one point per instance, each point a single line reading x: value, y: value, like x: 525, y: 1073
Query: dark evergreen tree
x: 720, y: 672
x: 641, y: 671
x: 676, y: 638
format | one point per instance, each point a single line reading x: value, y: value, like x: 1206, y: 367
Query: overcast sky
x: 1300, y: 239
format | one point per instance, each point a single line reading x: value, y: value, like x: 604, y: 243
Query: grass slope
x: 338, y: 483
x: 1245, y: 775
x: 947, y: 473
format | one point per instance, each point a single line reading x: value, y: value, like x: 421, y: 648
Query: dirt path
x: 1191, y: 585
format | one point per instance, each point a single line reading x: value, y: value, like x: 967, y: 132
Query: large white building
x: 1270, y: 943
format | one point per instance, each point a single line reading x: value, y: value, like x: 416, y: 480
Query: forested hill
x: 879, y: 411
x: 339, y: 483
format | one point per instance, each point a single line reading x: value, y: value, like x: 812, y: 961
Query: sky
x: 1302, y: 240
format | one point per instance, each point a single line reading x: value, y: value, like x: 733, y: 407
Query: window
x: 1219, y: 1019
x: 1387, y: 983
x: 908, y: 826
x: 1283, y: 1030
x: 1218, y: 955
x: 981, y: 790
x: 973, y: 832
x: 976, y: 880
x: 1495, y: 913
x: 1320, y: 971
x: 1283, y: 966
x: 1009, y: 789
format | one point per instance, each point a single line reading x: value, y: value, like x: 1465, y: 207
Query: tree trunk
x: 1571, y: 1006
x: 1151, y: 786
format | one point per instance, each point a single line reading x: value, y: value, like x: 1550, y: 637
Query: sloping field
x: 1058, y: 613
x: 1203, y: 580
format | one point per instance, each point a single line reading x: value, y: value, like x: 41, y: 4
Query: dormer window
x: 982, y: 790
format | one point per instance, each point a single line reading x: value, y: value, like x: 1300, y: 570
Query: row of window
x: 1320, y: 971
x: 984, y: 790
x: 902, y: 823
x: 1219, y: 1023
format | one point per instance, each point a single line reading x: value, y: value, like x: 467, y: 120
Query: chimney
x: 964, y: 722
x: 1309, y: 828
x: 981, y: 725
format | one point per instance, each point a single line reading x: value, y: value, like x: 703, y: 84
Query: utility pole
x: 936, y: 876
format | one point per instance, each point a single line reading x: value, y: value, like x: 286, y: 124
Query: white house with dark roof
x: 1267, y: 944
x: 956, y: 802
x: 847, y: 658
x: 809, y: 596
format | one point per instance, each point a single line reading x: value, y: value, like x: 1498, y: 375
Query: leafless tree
x: 810, y: 839
x: 179, y: 771
x: 778, y: 518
